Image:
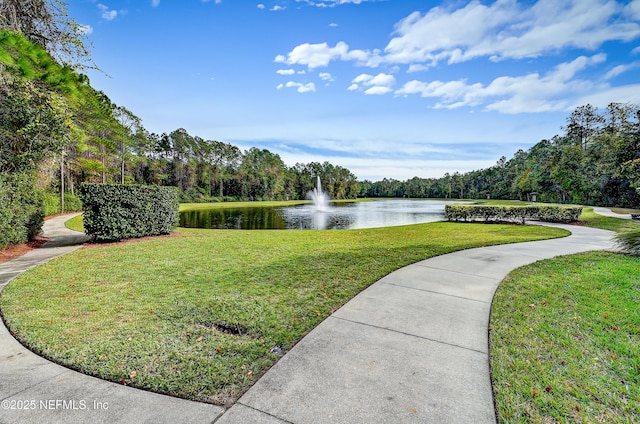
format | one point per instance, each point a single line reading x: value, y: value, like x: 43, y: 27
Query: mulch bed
x: 14, y: 251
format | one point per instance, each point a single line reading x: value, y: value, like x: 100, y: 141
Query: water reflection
x: 378, y: 213
x: 255, y: 218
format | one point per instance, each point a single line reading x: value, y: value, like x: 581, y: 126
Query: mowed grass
x: 76, y: 224
x: 565, y: 338
x: 197, y: 314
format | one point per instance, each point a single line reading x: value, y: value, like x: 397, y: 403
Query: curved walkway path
x: 411, y: 348
x: 610, y: 213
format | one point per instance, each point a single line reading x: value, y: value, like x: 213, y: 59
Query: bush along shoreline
x: 516, y: 214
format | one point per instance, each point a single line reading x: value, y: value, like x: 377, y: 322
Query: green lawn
x: 75, y: 224
x: 160, y: 313
x: 565, y: 337
x: 565, y: 341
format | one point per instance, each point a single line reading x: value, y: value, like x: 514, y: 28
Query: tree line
x: 56, y: 132
x: 595, y: 161
x: 202, y: 169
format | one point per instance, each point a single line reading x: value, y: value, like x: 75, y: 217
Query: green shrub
x: 564, y: 214
x: 21, y: 210
x: 520, y: 214
x: 115, y: 212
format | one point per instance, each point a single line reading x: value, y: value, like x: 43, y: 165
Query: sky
x: 385, y: 88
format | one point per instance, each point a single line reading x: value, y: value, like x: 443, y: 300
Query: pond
x: 373, y: 214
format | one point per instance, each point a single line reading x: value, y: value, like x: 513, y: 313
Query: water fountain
x: 356, y: 215
x: 320, y: 198
x: 318, y: 215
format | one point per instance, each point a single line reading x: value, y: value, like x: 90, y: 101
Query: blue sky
x: 385, y: 88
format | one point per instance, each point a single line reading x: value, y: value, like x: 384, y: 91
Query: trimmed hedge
x: 520, y: 214
x: 114, y: 212
x: 21, y: 210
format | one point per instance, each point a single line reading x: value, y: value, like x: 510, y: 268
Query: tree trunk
x: 122, y: 164
x: 62, y: 182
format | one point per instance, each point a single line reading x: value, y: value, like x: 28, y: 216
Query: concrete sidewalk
x: 610, y: 213
x: 61, y: 240
x: 412, y: 348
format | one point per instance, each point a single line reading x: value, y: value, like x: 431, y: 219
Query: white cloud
x: 377, y: 167
x: 382, y: 79
x: 633, y: 10
x: 566, y: 71
x: 377, y: 84
x: 155, y: 3
x: 285, y: 71
x: 621, y: 69
x: 321, y: 54
x: 277, y: 8
x: 378, y: 90
x: 300, y: 88
x: 325, y: 76
x: 449, y: 91
x: 507, y: 29
x: 331, y: 3
x: 362, y: 78
x: 527, y: 93
x: 504, y: 29
x: 261, y: 6
x: 601, y: 98
x: 107, y: 14
x: 417, y: 68
x: 333, y: 25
